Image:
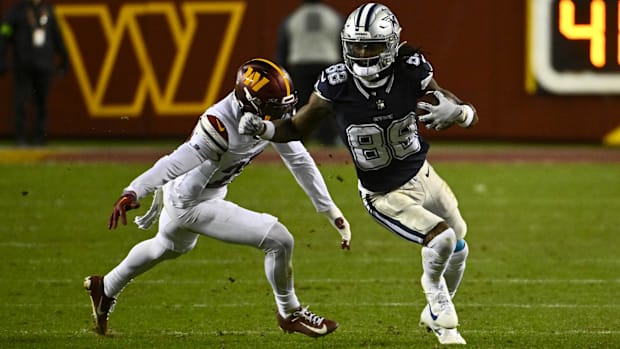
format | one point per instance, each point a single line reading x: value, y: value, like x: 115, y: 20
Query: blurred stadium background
x: 148, y: 69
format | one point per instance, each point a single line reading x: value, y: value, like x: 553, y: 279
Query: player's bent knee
x: 171, y: 254
x: 438, y: 229
x: 278, y: 238
x: 176, y: 247
x: 444, y: 242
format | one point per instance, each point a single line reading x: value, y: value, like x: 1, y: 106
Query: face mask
x: 365, y: 71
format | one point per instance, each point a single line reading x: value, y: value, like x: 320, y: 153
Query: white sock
x: 456, y: 267
x: 142, y: 257
x: 278, y: 247
x: 436, y: 254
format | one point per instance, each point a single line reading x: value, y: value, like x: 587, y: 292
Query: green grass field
x: 543, y: 272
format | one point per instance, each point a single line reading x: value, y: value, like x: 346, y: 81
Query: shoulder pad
x: 415, y: 65
x: 214, y: 136
x: 332, y: 80
x: 335, y: 74
x: 415, y: 61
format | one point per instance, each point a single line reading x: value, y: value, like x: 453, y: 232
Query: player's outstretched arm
x: 307, y: 119
x: 285, y: 130
x: 301, y: 164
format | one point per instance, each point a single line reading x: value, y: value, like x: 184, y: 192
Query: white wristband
x: 270, y: 130
x: 469, y: 116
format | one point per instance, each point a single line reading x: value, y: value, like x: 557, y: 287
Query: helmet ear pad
x: 264, y: 88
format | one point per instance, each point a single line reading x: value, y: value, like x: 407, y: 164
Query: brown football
x: 428, y: 98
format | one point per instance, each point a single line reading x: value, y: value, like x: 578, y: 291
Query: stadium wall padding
x: 148, y: 69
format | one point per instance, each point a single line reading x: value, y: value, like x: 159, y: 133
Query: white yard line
x: 261, y: 280
x: 365, y: 332
x: 336, y: 305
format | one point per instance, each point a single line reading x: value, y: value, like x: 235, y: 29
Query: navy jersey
x: 379, y: 126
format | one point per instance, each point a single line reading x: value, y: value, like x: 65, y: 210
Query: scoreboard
x: 573, y: 47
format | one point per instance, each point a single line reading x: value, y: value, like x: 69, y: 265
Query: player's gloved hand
x: 442, y: 115
x: 337, y: 220
x: 127, y: 201
x: 251, y: 125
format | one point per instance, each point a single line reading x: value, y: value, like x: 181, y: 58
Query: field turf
x: 543, y: 272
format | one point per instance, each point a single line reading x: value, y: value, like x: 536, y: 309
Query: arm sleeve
x: 307, y: 174
x: 167, y: 168
x: 208, y: 141
x: 197, y: 179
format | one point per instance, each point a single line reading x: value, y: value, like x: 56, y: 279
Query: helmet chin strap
x: 371, y: 77
x: 365, y: 71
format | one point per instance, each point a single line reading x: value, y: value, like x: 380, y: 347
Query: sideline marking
x: 14, y: 156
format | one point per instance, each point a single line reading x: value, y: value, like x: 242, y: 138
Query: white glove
x: 145, y: 221
x: 442, y: 115
x: 251, y: 125
x: 337, y: 220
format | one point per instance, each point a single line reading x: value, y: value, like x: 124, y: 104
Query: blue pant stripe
x: 392, y: 224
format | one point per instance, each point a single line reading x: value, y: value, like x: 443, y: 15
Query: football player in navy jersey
x: 373, y: 96
x: 190, y: 186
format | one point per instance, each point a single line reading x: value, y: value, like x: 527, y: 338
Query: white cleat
x: 444, y: 335
x: 441, y: 309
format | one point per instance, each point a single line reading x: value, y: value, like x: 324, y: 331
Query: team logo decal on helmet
x: 265, y: 89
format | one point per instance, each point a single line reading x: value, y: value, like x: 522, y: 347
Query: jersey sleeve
x: 210, y: 137
x: 167, y: 168
x: 208, y: 142
x: 331, y: 82
x: 417, y: 67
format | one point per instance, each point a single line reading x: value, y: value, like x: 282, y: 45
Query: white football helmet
x: 370, y: 42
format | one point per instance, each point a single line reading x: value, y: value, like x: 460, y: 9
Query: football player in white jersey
x: 190, y: 186
x: 377, y: 96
